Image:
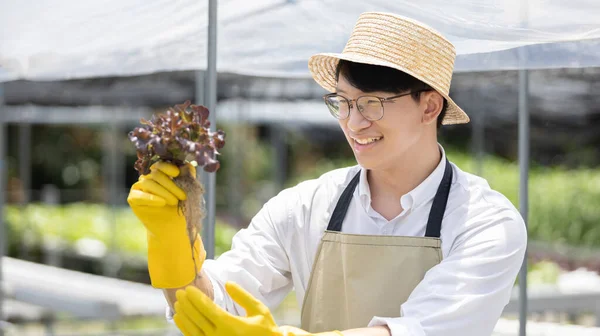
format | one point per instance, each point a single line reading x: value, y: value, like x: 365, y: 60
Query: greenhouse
x: 74, y: 253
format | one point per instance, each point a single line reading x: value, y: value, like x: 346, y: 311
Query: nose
x: 356, y: 121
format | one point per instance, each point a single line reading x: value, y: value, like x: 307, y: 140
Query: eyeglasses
x: 370, y: 107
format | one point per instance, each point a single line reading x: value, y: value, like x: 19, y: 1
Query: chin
x: 368, y: 162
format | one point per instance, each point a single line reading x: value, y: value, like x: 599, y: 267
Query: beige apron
x: 356, y: 277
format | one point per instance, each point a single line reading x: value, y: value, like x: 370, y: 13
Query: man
x: 404, y: 243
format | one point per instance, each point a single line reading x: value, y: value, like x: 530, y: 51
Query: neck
x: 410, y: 171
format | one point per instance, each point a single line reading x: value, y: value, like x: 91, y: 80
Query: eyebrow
x: 340, y: 90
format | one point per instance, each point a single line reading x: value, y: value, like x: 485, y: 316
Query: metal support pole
x: 523, y: 170
x: 49, y: 324
x: 111, y: 166
x: 210, y: 98
x: 2, y: 200
x: 25, y: 177
x: 523, y: 187
x: 200, y: 84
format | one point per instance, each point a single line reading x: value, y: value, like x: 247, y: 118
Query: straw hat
x: 400, y: 43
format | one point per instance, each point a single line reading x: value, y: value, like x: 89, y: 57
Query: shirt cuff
x: 399, y: 326
x: 169, y: 314
x: 218, y: 290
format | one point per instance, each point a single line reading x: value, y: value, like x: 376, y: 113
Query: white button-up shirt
x: 483, y: 242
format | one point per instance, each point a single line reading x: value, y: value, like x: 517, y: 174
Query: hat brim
x: 322, y: 67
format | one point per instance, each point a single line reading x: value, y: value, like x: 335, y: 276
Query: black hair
x: 373, y: 78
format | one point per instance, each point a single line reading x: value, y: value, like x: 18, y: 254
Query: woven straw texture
x: 397, y: 42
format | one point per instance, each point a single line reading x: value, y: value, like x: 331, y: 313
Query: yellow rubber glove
x: 197, y: 315
x: 154, y: 200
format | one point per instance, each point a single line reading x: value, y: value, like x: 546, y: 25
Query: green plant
x: 181, y: 134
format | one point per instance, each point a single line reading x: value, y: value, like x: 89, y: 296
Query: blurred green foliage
x: 563, y: 206
x: 543, y: 272
x: 73, y: 223
x: 563, y: 203
x: 39, y: 224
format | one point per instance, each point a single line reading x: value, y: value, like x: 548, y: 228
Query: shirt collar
x: 419, y: 195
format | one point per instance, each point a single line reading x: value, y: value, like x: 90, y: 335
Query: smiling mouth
x: 366, y: 141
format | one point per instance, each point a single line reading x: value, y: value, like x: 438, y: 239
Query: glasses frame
x: 351, y: 103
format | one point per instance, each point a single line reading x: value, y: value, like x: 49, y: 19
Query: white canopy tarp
x: 67, y: 39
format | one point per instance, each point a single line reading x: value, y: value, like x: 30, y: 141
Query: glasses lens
x: 370, y: 107
x: 338, y: 106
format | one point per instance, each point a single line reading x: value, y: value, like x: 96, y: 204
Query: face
x: 405, y: 123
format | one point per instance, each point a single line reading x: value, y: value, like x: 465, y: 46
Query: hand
x: 198, y: 315
x: 293, y: 331
x: 154, y: 200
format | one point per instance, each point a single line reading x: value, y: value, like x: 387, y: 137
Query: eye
x: 338, y: 99
x: 372, y: 102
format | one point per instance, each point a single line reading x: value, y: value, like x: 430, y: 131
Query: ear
x: 432, y: 102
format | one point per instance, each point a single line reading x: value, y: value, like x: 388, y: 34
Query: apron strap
x: 434, y: 223
x: 335, y: 223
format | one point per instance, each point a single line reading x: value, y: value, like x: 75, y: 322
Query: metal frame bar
x: 523, y: 187
x: 210, y: 97
x: 2, y: 201
x: 523, y: 124
x: 114, y: 176
x: 24, y: 158
x: 63, y: 115
x: 558, y: 302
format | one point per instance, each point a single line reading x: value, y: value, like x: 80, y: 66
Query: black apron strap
x: 434, y: 223
x: 337, y: 218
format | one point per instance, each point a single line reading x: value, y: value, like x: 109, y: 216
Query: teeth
x: 366, y: 141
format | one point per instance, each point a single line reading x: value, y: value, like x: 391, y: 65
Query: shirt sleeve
x: 466, y: 293
x: 257, y: 260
